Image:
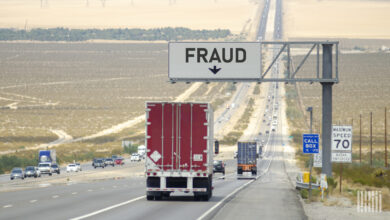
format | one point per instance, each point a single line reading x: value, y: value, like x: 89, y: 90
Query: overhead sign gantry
x: 242, y: 62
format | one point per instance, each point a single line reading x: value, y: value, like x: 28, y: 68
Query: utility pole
x: 360, y: 141
x: 371, y: 138
x: 326, y: 109
x: 386, y: 137
x: 310, y: 109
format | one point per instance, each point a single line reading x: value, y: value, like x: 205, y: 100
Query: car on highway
x: 17, y: 172
x: 135, y: 157
x: 109, y: 162
x: 31, y: 171
x: 56, y: 168
x: 71, y: 168
x: 45, y: 168
x: 219, y: 167
x: 99, y: 163
x: 119, y: 161
x: 78, y: 165
x: 94, y: 160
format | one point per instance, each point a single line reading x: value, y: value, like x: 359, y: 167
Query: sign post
x: 311, y: 146
x: 341, y: 147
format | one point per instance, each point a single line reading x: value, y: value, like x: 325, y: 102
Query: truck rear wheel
x: 239, y: 170
x: 149, y: 197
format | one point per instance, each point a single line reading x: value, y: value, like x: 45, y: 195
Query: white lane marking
x: 55, y: 196
x: 32, y: 201
x: 74, y: 193
x: 220, y: 202
x: 90, y: 190
x: 238, y: 189
x: 107, y: 209
x: 7, y: 206
x: 114, y: 187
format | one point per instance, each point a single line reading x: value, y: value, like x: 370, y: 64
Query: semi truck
x: 179, y: 149
x: 47, y: 156
x: 246, y: 159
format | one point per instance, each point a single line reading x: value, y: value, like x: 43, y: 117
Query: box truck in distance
x: 179, y: 149
x: 47, y: 156
x: 246, y: 159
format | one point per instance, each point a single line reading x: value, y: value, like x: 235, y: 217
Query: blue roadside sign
x: 311, y: 143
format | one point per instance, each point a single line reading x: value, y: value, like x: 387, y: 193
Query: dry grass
x: 195, y: 14
x: 83, y: 88
x: 349, y: 19
x: 363, y: 88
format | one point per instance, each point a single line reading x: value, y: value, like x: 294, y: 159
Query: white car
x: 135, y: 157
x: 72, y: 168
x: 45, y: 168
x: 78, y: 166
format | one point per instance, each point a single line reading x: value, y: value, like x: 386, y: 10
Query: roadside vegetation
x: 155, y: 34
x: 232, y: 137
x: 355, y: 94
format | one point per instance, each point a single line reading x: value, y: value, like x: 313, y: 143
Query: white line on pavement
x: 220, y: 202
x: 55, y: 196
x: 74, y: 193
x: 7, y: 206
x: 107, y: 209
x: 32, y: 201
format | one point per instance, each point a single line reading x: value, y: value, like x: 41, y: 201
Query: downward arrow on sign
x: 215, y: 70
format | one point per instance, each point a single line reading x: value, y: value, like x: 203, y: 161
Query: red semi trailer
x: 179, y: 149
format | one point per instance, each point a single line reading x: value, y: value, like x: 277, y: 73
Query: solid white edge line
x: 238, y: 189
x: 220, y: 202
x: 107, y: 209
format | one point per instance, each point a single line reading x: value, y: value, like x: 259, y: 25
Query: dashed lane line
x: 107, y: 209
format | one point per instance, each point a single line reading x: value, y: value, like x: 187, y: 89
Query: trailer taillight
x: 154, y: 174
x: 204, y: 174
x: 198, y: 174
x: 148, y: 174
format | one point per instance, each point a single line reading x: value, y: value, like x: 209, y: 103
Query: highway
x: 269, y: 196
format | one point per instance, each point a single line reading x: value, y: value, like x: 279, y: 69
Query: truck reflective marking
x: 155, y: 156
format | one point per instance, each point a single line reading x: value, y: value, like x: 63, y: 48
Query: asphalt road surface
x: 269, y: 196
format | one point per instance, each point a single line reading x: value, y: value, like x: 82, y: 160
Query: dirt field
x: 363, y: 88
x: 337, y: 18
x: 195, y: 14
x: 81, y: 89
